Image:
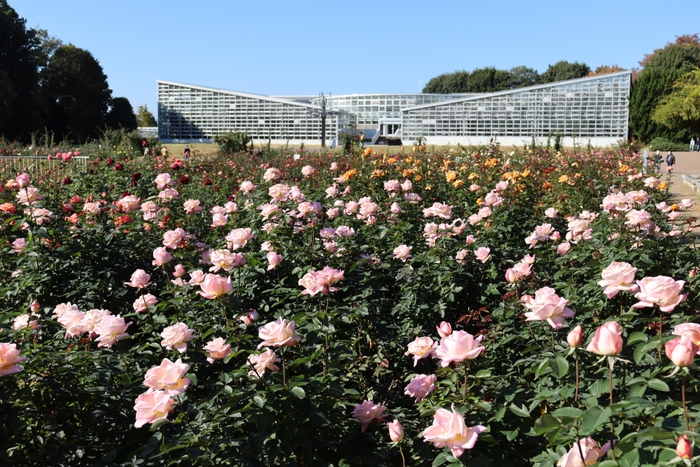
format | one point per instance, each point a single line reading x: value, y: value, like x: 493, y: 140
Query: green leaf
x: 559, y: 365
x: 631, y: 459
x: 599, y: 387
x: 571, y: 412
x: 546, y: 423
x: 519, y: 411
x: 608, y: 463
x: 637, y: 337
x: 594, y: 418
x: 658, y: 385
x: 299, y: 392
x: 482, y: 374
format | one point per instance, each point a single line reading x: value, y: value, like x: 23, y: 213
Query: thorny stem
x: 685, y: 408
x: 611, y: 362
x: 661, y: 342
x: 578, y: 439
x: 403, y: 459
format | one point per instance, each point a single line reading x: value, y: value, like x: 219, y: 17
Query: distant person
x: 670, y: 161
x: 164, y: 151
x: 692, y: 144
x: 658, y: 159
x: 186, y: 152
x: 697, y: 143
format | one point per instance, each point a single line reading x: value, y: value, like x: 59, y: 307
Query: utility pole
x: 323, y: 112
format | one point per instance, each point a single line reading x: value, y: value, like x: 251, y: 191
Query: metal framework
x: 593, y: 109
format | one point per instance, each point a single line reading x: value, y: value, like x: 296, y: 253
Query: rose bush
x: 387, y: 287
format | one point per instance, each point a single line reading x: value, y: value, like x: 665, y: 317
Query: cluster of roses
x: 449, y: 428
x: 99, y: 324
x: 29, y: 196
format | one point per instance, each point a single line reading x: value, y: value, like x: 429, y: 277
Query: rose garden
x: 465, y: 306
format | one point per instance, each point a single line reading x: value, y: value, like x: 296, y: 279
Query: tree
x: 654, y: 83
x: 564, y: 70
x: 605, y: 69
x: 47, y: 46
x: 680, y: 109
x: 121, y: 114
x: 144, y: 117
x: 522, y: 76
x: 19, y: 68
x: 685, y: 39
x: 487, y: 79
x: 75, y: 94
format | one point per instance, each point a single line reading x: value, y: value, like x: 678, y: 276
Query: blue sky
x: 307, y: 47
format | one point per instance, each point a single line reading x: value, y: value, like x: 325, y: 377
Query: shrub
x: 663, y: 144
x: 233, y: 142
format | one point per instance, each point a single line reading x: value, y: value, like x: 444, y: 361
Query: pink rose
x: 273, y: 259
x: 197, y: 277
x: 684, y: 448
x: 551, y: 213
x: 179, y: 271
x: 440, y: 210
x: 218, y: 219
x: 457, y: 347
x: 661, y: 291
x: 174, y: 238
x: 368, y: 411
x: 176, y: 337
x: 19, y: 245
x: 587, y: 447
x: 421, y: 347
x: 23, y: 180
x: 238, y: 238
x: 168, y: 194
x: 547, y: 305
x: 214, y: 286
x: 482, y: 254
x: 392, y: 186
x: 163, y: 180
x: 263, y: 361
x: 444, y: 329
x: 142, y: 303
x: 250, y: 317
x: 681, y: 351
x: 449, y: 430
x: 406, y: 185
x: 618, y: 277
x: 129, y: 203
x: 25, y: 322
x: 402, y: 252
x: 110, y: 329
x: 272, y: 174
x: 563, y: 248
x: 224, y: 259
x: 10, y: 359
x: 607, y: 340
x: 691, y: 330
x: 217, y: 349
x: 152, y: 406
x: 246, y: 187
x: 71, y: 320
x: 192, y: 206
x: 161, y: 256
x: 307, y: 171
x: 518, y: 272
x: 575, y: 337
x: 420, y: 386
x: 395, y: 430
x: 168, y: 376
x: 278, y: 333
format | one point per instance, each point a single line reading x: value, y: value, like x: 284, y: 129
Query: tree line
x: 664, y: 99
x: 53, y: 88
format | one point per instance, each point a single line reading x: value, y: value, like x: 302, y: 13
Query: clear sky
x: 344, y: 47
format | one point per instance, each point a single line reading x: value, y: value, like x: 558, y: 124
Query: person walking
x: 670, y: 161
x: 692, y: 144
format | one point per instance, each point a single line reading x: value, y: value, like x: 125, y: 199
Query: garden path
x: 686, y: 163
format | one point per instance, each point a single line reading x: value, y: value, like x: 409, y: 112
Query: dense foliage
x: 366, y: 254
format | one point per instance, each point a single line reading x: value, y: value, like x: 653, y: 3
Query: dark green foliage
x: 564, y: 70
x: 144, y: 117
x: 232, y: 142
x: 121, y: 114
x: 663, y: 144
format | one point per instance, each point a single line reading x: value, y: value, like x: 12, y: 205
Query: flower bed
x: 456, y: 307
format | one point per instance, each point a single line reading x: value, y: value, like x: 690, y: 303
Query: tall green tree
x: 654, y: 83
x: 19, y: 79
x: 564, y: 70
x: 75, y: 94
x: 522, y: 76
x: 144, y: 117
x: 121, y: 114
x: 680, y: 110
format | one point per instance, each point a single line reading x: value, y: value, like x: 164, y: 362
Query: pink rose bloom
x: 152, y: 406
x: 420, y: 386
x: 263, y: 361
x: 691, y: 330
x: 168, y: 194
x: 110, y: 329
x: 332, y: 191
x: 224, y: 259
x: 272, y: 174
x: 575, y: 337
x: 217, y: 349
x: 542, y: 233
x: 139, y: 279
x: 368, y: 411
x: 174, y: 238
x: 142, y: 303
x: 269, y: 210
x: 25, y: 322
x: 238, y: 238
x: 421, y: 347
x: 591, y: 453
x: 395, y: 208
x: 344, y: 231
x: 28, y: 196
x: 402, y: 252
x: 395, y: 431
x: 351, y: 207
x: 607, y: 340
x: 444, y: 329
x: 192, y: 206
x: 392, y: 186
x: 686, y: 203
x: 493, y: 199
x: 681, y: 351
x: 618, y: 277
x: 547, y: 305
x: 651, y: 182
x: 307, y: 171
x: 638, y: 219
x: 214, y: 286
x: 250, y: 317
x: 449, y: 430
x: 315, y: 282
x: 23, y: 180
x: 10, y: 359
x: 163, y: 181
x: 684, y: 448
x: 528, y: 259
x: 19, y: 245
x: 34, y: 306
x: 615, y: 202
x: 273, y: 259
x: 457, y: 347
x: 279, y: 193
x: 176, y: 337
x: 218, y: 220
x: 129, y: 203
x: 231, y: 207
x: 661, y: 291
x: 637, y: 197
x: 502, y: 185
x: 168, y: 376
x: 179, y: 271
x: 412, y: 198
x: 482, y: 254
x: 518, y: 272
x: 246, y: 187
x: 563, y: 248
x: 551, y: 213
x: 278, y: 333
x: 461, y: 256
x: 196, y: 277
x: 334, y: 166
x: 72, y: 320
x: 440, y: 210
x: 470, y: 240
x: 406, y: 185
x: 473, y: 187
x: 161, y: 256
x: 92, y: 319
